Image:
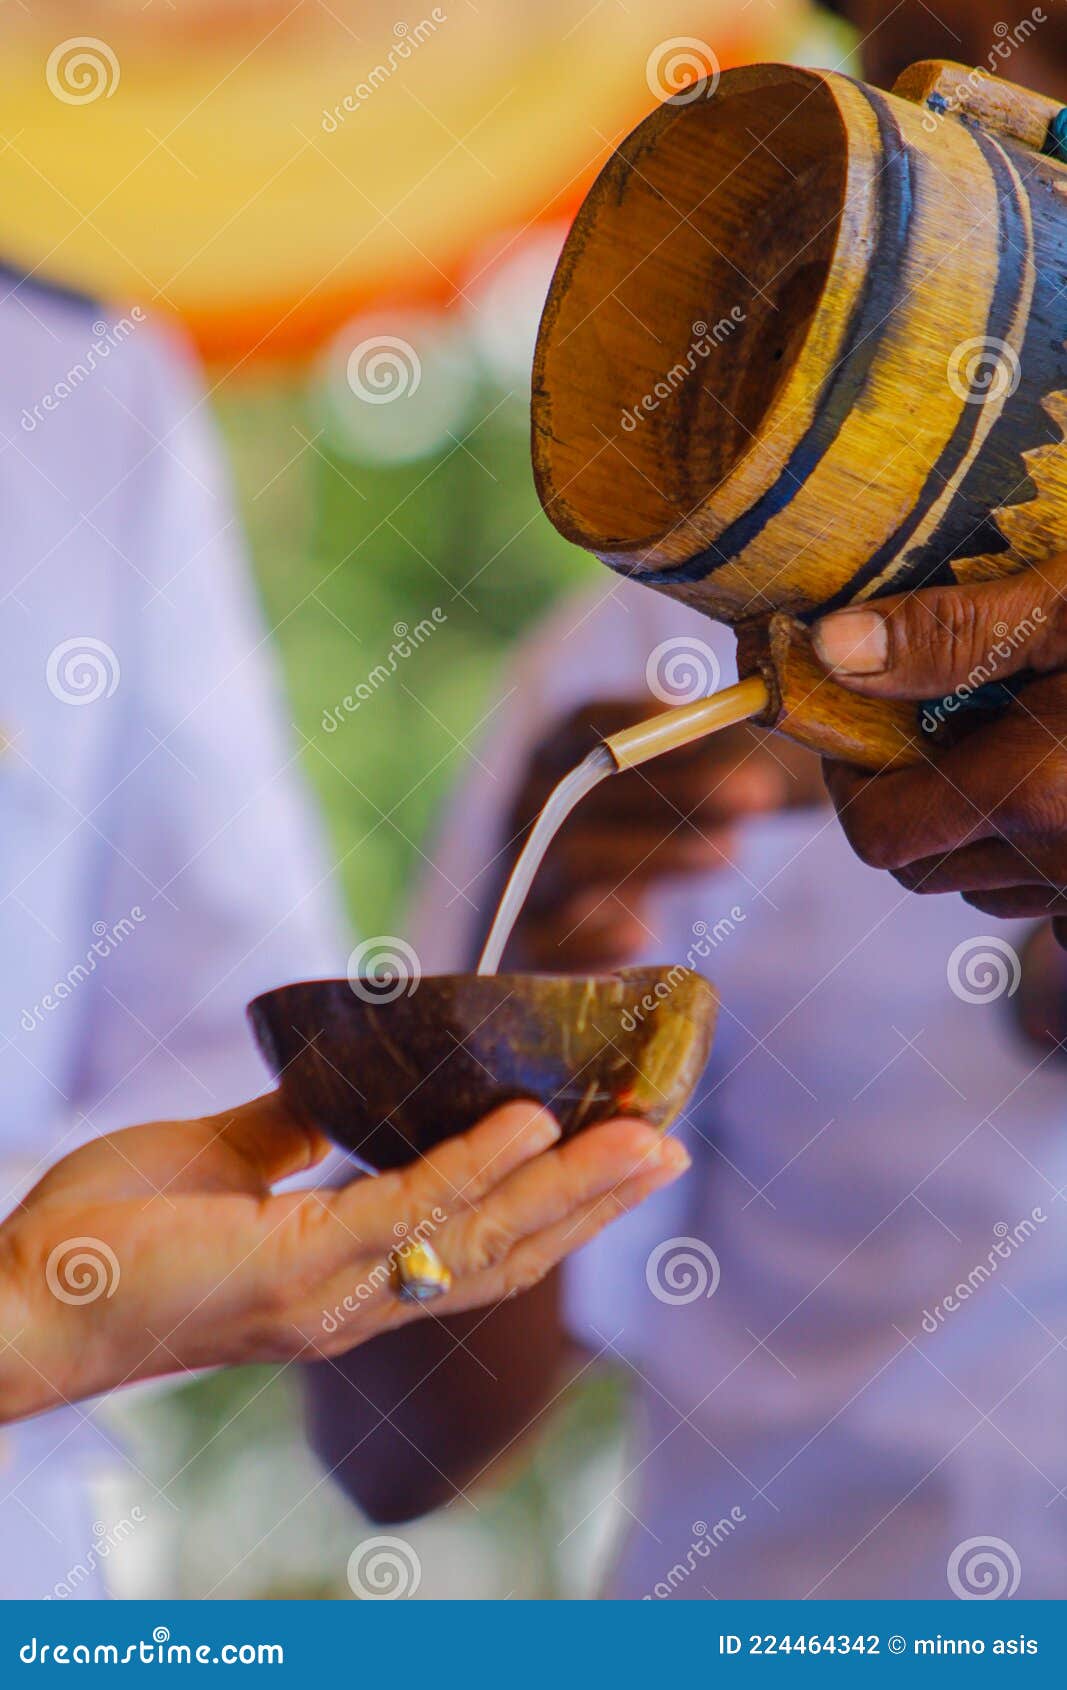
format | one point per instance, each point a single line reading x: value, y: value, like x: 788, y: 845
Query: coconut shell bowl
x: 388, y: 1072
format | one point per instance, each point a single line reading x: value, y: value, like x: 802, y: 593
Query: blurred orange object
x: 263, y: 168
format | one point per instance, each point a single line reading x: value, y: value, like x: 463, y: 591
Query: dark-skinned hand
x: 673, y: 818
x: 987, y: 816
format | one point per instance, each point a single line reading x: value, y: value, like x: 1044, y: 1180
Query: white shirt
x: 149, y: 802
x: 861, y: 1137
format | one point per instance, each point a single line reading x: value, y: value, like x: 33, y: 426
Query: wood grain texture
x: 1002, y: 108
x: 888, y: 409
x: 747, y: 701
x: 389, y: 1077
x: 810, y: 707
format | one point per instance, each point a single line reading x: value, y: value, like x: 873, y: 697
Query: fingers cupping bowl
x: 389, y: 1079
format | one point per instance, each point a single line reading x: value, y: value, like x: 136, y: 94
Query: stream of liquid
x: 562, y: 800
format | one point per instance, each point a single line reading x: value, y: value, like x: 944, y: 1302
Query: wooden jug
x: 805, y: 345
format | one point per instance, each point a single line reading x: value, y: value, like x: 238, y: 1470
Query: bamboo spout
x: 666, y: 732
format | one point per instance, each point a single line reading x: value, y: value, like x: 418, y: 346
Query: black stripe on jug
x: 1009, y: 285
x: 877, y: 300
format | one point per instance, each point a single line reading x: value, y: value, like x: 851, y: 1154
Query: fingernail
x: 672, y: 1155
x: 854, y: 642
x: 544, y: 1133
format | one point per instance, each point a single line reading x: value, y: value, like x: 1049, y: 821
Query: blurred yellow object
x: 263, y: 169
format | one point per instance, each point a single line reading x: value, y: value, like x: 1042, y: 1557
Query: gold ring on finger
x: 419, y: 1275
